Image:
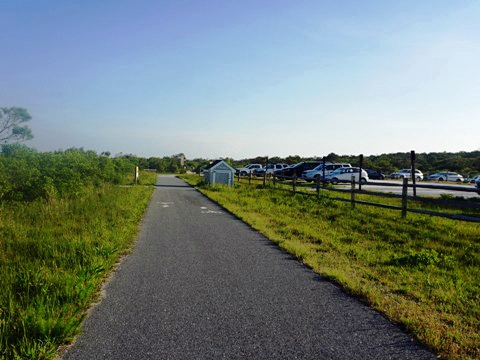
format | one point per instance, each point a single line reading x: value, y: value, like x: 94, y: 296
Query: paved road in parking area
x: 436, y: 190
x: 201, y: 284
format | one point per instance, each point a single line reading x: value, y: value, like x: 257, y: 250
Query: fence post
x: 136, y: 174
x: 404, y: 197
x: 353, y: 192
x: 249, y: 177
x: 412, y: 170
x: 294, y: 182
x: 318, y: 186
x: 323, y: 171
x: 360, y: 173
x: 265, y: 173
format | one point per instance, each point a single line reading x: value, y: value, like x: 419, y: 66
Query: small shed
x: 219, y: 172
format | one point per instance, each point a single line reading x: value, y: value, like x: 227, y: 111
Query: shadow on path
x: 173, y: 186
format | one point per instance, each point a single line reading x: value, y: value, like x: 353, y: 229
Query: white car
x: 244, y: 171
x: 446, y: 176
x: 345, y: 175
x: 269, y: 169
x: 407, y: 174
x: 317, y: 172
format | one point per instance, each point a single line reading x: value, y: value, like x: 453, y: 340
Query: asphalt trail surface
x: 201, y: 284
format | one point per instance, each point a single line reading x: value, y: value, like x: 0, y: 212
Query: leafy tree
x: 11, y: 129
x: 293, y: 159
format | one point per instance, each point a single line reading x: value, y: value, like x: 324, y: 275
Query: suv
x: 269, y: 169
x: 407, y: 174
x: 317, y: 173
x: 345, y: 175
x: 477, y: 184
x: 297, y: 169
x: 247, y: 169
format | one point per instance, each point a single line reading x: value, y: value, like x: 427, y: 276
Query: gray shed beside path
x: 219, y: 172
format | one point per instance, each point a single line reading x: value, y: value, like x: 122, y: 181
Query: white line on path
x: 206, y: 211
x: 165, y: 204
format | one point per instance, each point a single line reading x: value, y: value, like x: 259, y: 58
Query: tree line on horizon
x: 13, y: 130
x: 463, y: 162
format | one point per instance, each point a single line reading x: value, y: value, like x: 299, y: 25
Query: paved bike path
x: 201, y: 284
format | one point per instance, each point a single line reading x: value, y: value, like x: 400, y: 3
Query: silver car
x: 474, y: 179
x: 446, y: 176
x: 407, y: 174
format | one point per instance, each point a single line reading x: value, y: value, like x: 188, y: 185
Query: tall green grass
x: 54, y: 255
x: 422, y: 272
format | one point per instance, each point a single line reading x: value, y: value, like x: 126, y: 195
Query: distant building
x: 219, y: 172
x: 181, y: 160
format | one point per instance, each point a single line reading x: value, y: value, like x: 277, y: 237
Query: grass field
x: 54, y: 256
x: 422, y: 272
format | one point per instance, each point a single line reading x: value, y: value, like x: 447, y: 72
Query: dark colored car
x: 375, y: 175
x: 297, y: 169
x: 477, y: 184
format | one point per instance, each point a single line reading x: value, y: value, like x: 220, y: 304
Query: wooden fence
x: 355, y: 189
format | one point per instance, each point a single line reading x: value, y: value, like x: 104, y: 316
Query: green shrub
x: 28, y: 175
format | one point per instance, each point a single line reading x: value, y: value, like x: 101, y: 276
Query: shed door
x: 221, y: 177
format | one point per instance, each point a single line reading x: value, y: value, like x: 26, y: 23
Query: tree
x: 11, y: 129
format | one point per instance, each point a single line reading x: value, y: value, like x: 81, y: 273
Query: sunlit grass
x: 420, y: 271
x: 54, y: 255
x: 147, y: 178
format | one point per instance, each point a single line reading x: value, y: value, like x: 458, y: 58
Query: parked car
x: 297, y: 169
x: 446, y: 176
x: 407, y: 174
x: 247, y: 169
x: 474, y: 179
x: 269, y: 169
x: 345, y: 175
x: 375, y: 175
x: 477, y: 184
x: 317, y: 172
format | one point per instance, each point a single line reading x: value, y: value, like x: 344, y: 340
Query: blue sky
x: 244, y: 78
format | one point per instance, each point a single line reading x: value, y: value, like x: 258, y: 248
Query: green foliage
x: 167, y: 164
x: 28, y: 175
x: 54, y: 256
x: 422, y: 258
x: 63, y: 224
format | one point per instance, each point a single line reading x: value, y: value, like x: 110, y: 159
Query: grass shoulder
x: 54, y: 256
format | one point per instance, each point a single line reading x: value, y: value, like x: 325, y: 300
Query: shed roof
x: 212, y: 164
